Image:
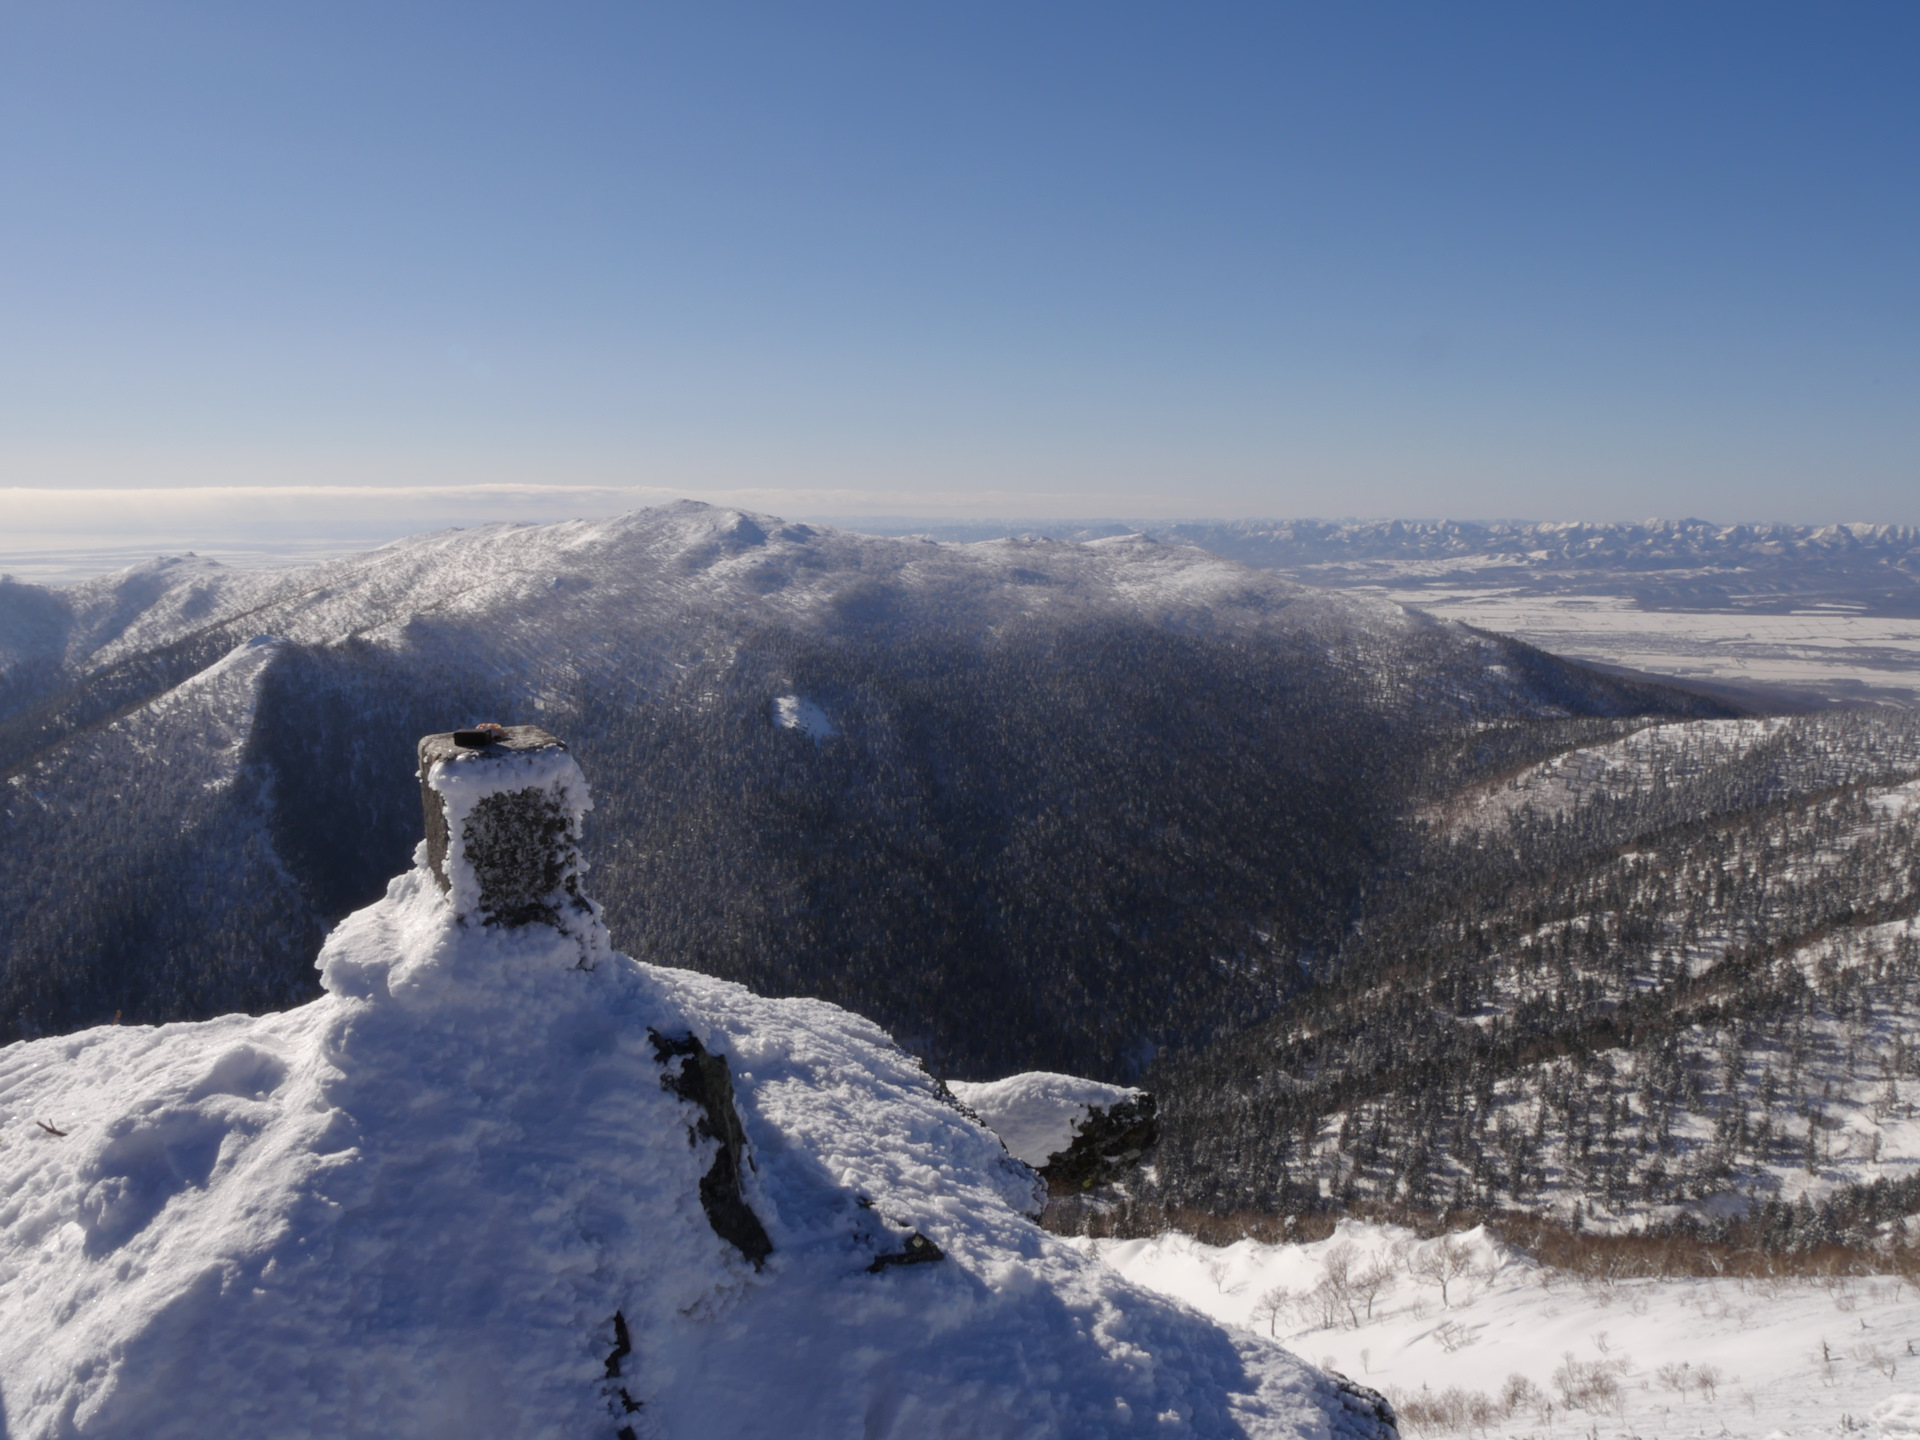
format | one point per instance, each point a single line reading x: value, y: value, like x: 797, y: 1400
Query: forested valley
x: 1392, y: 915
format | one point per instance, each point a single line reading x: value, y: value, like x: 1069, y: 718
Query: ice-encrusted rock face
x: 503, y: 807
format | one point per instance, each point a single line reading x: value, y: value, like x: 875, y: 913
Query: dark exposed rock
x: 1110, y: 1143
x: 946, y: 1096
x: 703, y: 1079
x: 915, y: 1250
x: 618, y: 1395
x: 1366, y: 1405
x: 622, y: 1345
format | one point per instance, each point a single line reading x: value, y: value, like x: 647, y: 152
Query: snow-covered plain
x: 454, y: 1197
x: 1635, y: 1358
x: 1829, y: 611
x: 1826, y: 650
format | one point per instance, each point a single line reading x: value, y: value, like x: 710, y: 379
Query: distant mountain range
x: 1030, y: 804
x: 1679, y: 564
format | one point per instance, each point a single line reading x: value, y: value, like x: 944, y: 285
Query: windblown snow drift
x: 471, y: 1191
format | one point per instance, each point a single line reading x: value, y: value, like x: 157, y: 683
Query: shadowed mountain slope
x: 1028, y: 804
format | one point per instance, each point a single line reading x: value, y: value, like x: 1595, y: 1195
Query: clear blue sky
x: 1550, y: 260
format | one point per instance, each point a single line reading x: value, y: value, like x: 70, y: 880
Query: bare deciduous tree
x: 1271, y: 1306
x: 1441, y: 1263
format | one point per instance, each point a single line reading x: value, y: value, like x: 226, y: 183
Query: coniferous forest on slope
x: 1067, y: 849
x: 1633, y: 1005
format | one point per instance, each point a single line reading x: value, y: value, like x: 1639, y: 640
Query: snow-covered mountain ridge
x: 685, y: 555
x: 463, y: 1193
x: 1117, y: 785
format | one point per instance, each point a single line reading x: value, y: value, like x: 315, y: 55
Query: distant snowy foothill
x: 501, y: 1180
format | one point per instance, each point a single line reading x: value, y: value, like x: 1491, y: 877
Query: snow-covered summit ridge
x: 418, y: 1204
x: 674, y: 556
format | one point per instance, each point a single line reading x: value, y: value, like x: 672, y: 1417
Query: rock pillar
x: 503, y: 805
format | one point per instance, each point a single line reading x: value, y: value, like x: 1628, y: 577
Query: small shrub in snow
x: 1588, y: 1384
x: 1430, y: 1412
x: 1520, y: 1393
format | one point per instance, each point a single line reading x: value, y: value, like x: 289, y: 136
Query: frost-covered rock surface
x: 416, y: 1205
x: 1038, y: 1114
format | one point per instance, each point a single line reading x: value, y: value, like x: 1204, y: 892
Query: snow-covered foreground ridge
x: 454, y: 1197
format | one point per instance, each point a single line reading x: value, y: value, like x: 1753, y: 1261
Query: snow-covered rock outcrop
x: 472, y: 1191
x: 1077, y: 1133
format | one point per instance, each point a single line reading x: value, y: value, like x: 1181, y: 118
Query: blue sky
x: 1601, y: 261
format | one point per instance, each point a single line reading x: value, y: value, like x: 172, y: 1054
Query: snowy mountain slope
x: 1705, y: 765
x: 597, y: 587
x: 1672, y: 983
x: 164, y: 815
x: 1728, y: 1121
x: 687, y: 554
x: 462, y: 1193
x: 1116, y: 787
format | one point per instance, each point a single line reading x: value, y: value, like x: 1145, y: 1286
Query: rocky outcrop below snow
x: 1078, y: 1134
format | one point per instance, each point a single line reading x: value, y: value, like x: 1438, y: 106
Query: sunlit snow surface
x: 413, y: 1207
x: 1821, y: 650
x: 1672, y: 1358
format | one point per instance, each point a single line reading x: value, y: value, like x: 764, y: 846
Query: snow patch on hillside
x: 796, y: 712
